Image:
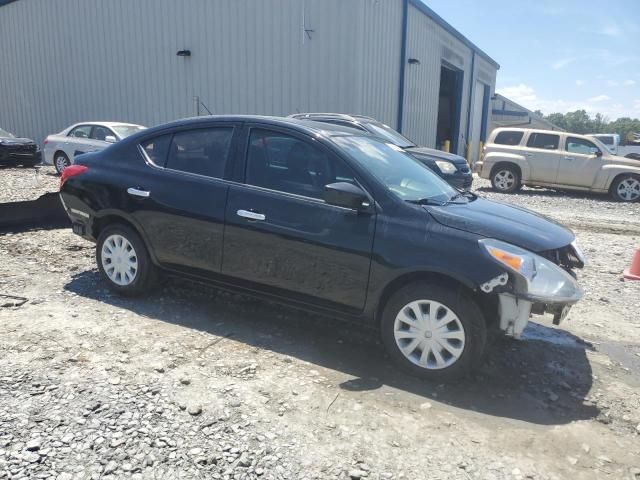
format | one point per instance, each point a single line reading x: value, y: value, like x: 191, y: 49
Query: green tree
x: 580, y: 122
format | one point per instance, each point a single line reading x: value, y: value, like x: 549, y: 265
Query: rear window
x: 508, y: 138
x: 545, y: 141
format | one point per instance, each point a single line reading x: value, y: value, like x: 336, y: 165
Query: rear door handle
x: 138, y: 193
x: 568, y: 158
x: 528, y: 154
x: 251, y: 215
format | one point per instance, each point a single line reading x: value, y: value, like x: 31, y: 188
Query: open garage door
x: 450, y: 100
x: 479, y: 118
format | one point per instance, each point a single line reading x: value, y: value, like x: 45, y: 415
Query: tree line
x: 580, y: 122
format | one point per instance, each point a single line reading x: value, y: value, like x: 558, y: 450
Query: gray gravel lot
x: 192, y: 382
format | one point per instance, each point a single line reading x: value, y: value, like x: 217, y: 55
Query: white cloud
x: 599, y: 98
x: 610, y: 29
x: 629, y: 83
x: 579, y: 83
x: 526, y: 96
x: 563, y: 62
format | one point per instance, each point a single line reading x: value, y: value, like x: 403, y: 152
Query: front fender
x: 608, y: 173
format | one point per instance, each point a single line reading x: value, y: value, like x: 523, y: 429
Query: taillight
x: 45, y: 141
x: 72, y: 171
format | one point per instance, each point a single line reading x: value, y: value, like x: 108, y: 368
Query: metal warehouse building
x: 151, y: 61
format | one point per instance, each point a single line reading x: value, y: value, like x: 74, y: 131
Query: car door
x: 180, y: 201
x: 78, y: 141
x: 98, y: 137
x: 579, y: 164
x: 281, y: 236
x: 543, y: 156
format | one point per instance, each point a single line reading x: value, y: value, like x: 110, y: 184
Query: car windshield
x: 390, y: 135
x: 5, y: 134
x: 401, y: 173
x: 124, y: 131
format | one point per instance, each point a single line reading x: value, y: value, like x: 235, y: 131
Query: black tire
x: 146, y: 273
x: 60, y: 158
x: 506, y: 178
x: 631, y: 193
x: 461, y: 305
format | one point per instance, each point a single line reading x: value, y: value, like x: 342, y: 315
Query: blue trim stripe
x: 441, y: 21
x: 403, y: 64
x: 5, y: 2
x: 510, y: 113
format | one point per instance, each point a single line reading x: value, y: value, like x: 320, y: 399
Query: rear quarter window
x: 508, y: 138
x: 157, y: 149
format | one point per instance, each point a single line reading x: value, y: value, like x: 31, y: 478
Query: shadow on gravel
x: 45, y: 212
x: 544, y: 192
x: 543, y: 379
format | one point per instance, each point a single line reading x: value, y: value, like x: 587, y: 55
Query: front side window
x: 545, y: 141
x: 509, y: 137
x: 400, y: 172
x: 278, y: 161
x: 82, y: 131
x: 203, y: 151
x: 580, y: 146
x: 101, y: 133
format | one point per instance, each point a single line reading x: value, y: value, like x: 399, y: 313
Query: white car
x: 60, y: 149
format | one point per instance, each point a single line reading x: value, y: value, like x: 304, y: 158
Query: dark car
x: 633, y: 156
x: 18, y: 151
x: 453, y: 168
x: 327, y: 219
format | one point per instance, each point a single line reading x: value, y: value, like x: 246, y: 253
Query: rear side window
x: 580, y: 146
x: 203, y: 151
x: 545, y: 141
x: 157, y: 149
x: 508, y: 138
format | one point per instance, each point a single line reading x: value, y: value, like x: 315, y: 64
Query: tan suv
x: 519, y: 156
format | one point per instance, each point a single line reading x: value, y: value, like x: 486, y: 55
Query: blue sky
x: 558, y: 56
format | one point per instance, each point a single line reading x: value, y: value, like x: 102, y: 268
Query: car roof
x: 303, y: 125
x: 106, y: 124
x: 335, y: 116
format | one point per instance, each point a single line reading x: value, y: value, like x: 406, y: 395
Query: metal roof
x: 420, y: 5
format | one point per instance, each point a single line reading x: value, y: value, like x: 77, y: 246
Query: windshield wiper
x: 464, y: 193
x: 426, y: 201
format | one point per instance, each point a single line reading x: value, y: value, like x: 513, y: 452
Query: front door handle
x: 568, y: 158
x: 251, y: 215
x: 138, y: 193
x: 528, y: 154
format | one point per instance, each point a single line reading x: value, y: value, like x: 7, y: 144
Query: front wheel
x: 124, y: 261
x: 434, y: 332
x: 626, y: 188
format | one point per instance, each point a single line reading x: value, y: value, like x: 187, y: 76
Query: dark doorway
x: 450, y: 100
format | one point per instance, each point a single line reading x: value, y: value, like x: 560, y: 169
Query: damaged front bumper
x: 532, y: 285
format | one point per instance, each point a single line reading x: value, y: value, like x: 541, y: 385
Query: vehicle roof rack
x: 343, y: 116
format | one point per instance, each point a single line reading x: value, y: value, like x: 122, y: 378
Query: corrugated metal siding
x: 77, y: 60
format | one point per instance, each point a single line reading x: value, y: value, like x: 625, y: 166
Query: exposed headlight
x: 536, y: 278
x: 446, y: 167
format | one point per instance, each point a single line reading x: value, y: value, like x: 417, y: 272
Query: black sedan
x: 18, y: 151
x: 327, y: 219
x: 453, y: 168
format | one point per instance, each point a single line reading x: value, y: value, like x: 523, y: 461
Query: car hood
x: 16, y: 141
x: 436, y: 154
x: 514, y: 225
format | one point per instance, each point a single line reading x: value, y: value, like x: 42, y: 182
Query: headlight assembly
x: 446, y: 167
x: 536, y: 278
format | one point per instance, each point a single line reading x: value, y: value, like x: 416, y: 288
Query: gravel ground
x: 191, y: 382
x: 19, y: 184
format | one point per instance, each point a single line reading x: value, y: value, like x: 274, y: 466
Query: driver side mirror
x: 596, y: 151
x: 110, y: 139
x: 347, y: 195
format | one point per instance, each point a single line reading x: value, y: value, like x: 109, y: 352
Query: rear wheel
x: 506, y: 178
x: 626, y: 188
x: 434, y: 332
x: 124, y: 261
x: 61, y: 161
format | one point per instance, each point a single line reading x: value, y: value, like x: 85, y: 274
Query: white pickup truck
x: 514, y: 157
